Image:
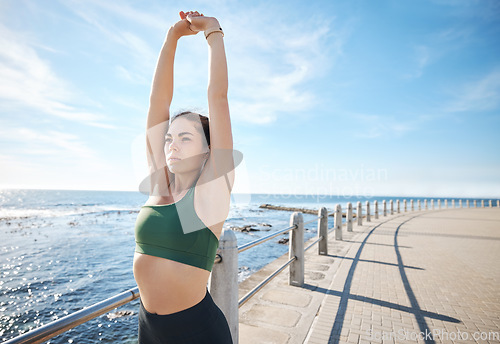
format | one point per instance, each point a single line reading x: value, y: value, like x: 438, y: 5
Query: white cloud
x: 479, y: 95
x: 374, y: 126
x: 139, y: 53
x: 29, y: 82
x: 436, y: 46
x: 422, y: 57
x: 268, y: 67
x: 51, y: 142
x: 55, y: 159
x: 130, y: 75
x: 124, y: 10
x: 482, y: 10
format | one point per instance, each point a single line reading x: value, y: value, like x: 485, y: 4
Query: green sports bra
x: 174, y: 231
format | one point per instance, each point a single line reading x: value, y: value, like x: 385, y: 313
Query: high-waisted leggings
x: 202, y: 323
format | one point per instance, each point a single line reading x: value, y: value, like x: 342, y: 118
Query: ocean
x: 63, y: 250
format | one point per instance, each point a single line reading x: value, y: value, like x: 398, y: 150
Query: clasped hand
x: 193, y: 22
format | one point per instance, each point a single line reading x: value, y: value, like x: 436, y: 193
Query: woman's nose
x: 172, y: 145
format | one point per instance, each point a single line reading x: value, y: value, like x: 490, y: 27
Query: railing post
x: 419, y: 205
x: 368, y: 219
x: 467, y: 203
x: 338, y: 222
x: 425, y: 204
x: 349, y: 217
x: 359, y: 214
x: 397, y: 206
x: 384, y: 207
x: 439, y: 204
x: 405, y: 205
x: 223, y: 282
x: 453, y: 203
x: 498, y: 203
x: 445, y: 204
x: 482, y: 203
x: 475, y: 203
x: 323, y: 231
x: 490, y: 203
x: 460, y: 204
x: 391, y: 203
x: 296, y: 248
x: 432, y: 204
x: 412, y: 205
x: 375, y: 204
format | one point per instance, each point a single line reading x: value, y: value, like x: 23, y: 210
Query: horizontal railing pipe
x: 263, y: 239
x: 52, y: 329
x: 228, y: 255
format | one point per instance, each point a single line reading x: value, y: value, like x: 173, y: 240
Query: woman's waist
x: 153, y: 272
x: 168, y: 286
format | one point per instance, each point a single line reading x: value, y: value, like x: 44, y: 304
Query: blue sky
x: 396, y: 98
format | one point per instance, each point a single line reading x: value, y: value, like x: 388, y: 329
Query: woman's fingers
x: 194, y: 13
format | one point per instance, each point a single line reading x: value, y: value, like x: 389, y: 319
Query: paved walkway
x: 423, y: 276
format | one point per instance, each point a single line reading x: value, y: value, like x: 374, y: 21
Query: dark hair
x: 193, y: 116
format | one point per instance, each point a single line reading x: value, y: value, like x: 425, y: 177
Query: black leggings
x: 202, y: 323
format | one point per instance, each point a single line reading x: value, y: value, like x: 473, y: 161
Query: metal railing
x: 226, y: 268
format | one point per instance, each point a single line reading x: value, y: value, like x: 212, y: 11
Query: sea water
x: 63, y: 250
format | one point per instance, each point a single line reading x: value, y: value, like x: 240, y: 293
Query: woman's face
x: 184, y: 143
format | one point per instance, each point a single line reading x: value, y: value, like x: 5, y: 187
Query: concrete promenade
x: 424, y: 276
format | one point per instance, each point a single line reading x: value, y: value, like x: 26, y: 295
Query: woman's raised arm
x: 221, y: 138
x: 162, y: 88
x: 163, y: 82
x: 159, y: 102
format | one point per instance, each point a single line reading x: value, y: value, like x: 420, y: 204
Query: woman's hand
x: 183, y: 27
x: 198, y: 21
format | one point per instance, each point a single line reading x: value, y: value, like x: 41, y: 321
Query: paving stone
x: 287, y: 297
x: 250, y: 335
x: 278, y: 316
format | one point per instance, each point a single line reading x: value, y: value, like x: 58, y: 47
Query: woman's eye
x: 184, y: 139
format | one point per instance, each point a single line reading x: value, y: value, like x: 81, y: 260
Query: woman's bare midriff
x: 167, y: 286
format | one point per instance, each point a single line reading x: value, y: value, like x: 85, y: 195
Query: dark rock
x: 246, y: 228
x: 283, y: 241
x: 119, y: 314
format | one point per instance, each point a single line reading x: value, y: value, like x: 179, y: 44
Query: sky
x: 372, y: 98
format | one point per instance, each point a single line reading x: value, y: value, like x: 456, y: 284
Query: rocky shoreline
x: 302, y: 210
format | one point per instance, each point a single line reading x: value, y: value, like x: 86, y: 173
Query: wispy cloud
x: 421, y: 57
x: 105, y: 18
x: 51, y: 142
x: 29, y: 82
x: 153, y: 20
x: 436, y: 46
x: 48, y: 157
x: 480, y: 95
x: 270, y: 67
x: 485, y: 9
x: 372, y: 126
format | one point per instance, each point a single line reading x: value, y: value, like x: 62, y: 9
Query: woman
x: 178, y: 229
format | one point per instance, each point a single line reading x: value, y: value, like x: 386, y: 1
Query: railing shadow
x: 375, y: 261
x: 345, y: 295
x: 376, y: 243
x: 381, y: 303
